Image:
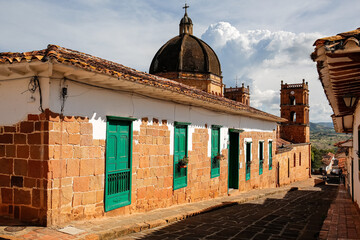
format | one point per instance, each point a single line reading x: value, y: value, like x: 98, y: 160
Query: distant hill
x: 323, y: 135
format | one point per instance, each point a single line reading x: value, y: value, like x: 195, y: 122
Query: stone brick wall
x: 23, y: 171
x: 152, y: 185
x: 267, y: 178
x: 295, y: 133
x: 297, y: 172
x: 76, y: 170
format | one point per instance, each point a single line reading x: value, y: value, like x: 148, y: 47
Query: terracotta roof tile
x: 91, y: 63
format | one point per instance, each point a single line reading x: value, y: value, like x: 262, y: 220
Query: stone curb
x: 138, y: 227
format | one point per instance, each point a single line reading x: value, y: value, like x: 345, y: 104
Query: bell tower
x: 294, y: 106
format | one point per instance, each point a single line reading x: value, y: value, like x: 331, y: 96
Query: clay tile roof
x: 54, y: 53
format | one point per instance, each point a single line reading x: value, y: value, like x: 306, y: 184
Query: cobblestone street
x: 296, y: 214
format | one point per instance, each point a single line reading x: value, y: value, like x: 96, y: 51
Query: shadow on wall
x: 298, y: 215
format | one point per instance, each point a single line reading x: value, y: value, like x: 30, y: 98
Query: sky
x: 259, y: 43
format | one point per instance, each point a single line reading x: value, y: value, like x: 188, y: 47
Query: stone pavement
x: 111, y: 228
x: 295, y: 214
x: 343, y: 219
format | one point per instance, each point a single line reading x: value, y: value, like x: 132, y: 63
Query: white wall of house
x: 16, y: 101
x: 356, y: 127
x: 97, y: 103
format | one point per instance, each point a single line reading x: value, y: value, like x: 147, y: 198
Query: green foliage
x: 316, y: 156
x: 323, y: 136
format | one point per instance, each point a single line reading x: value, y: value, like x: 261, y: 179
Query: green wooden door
x: 180, y: 151
x: 215, y: 151
x: 270, y: 155
x: 261, y: 157
x: 234, y: 160
x: 248, y: 160
x: 118, y: 164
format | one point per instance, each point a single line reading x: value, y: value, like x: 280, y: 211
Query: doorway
x: 234, y: 160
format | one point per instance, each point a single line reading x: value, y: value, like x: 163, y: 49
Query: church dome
x: 185, y: 53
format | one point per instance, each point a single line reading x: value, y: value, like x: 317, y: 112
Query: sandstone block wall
x: 267, y: 178
x: 24, y: 169
x: 299, y: 168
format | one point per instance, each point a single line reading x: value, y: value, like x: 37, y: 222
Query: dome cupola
x: 189, y: 60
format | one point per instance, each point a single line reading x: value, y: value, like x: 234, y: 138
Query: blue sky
x: 258, y: 42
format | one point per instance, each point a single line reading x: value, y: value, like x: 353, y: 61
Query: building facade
x: 83, y: 137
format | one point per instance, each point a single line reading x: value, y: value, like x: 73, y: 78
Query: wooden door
x: 118, y: 164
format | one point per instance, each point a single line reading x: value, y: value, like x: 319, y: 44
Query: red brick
x: 22, y: 196
x: 7, y: 195
x: 10, y: 151
x: 9, y: 129
x: 33, y: 117
x: 34, y: 138
x: 36, y: 201
x: 17, y: 181
x: 36, y: 169
x: 20, y: 167
x: 42, y: 126
x: 2, y: 150
x: 22, y: 151
x: 29, y: 182
x: 4, y: 180
x: 20, y: 138
x: 81, y: 184
x: 6, y: 165
x: 7, y: 138
x: 26, y: 127
x: 29, y: 214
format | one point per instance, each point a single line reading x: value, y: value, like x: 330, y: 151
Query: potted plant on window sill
x: 183, y: 162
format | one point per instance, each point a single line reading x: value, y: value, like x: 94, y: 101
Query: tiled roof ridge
x: 92, y: 63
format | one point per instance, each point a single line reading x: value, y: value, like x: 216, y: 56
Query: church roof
x: 165, y: 88
x: 185, y: 53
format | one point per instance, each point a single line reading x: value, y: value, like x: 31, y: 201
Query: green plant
x: 184, y: 161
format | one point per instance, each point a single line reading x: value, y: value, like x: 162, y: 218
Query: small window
x: 292, y: 100
x: 293, y: 116
x: 299, y: 159
x: 261, y: 157
x: 248, y: 158
x: 294, y: 159
x: 270, y: 155
x: 215, y: 152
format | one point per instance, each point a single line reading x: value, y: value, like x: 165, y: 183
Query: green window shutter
x: 118, y: 164
x: 261, y: 157
x: 248, y: 160
x: 270, y: 155
x: 180, y: 151
x: 215, y: 151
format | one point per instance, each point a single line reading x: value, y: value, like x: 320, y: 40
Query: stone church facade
x: 83, y: 137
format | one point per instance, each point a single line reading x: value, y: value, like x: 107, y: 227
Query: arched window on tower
x: 293, y: 116
x: 292, y: 100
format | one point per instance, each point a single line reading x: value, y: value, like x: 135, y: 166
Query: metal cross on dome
x: 186, y: 7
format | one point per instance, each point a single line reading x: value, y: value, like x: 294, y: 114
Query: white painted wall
x: 356, y: 126
x: 16, y: 102
x: 97, y: 103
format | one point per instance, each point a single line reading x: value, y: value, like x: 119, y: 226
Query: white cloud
x: 262, y: 58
